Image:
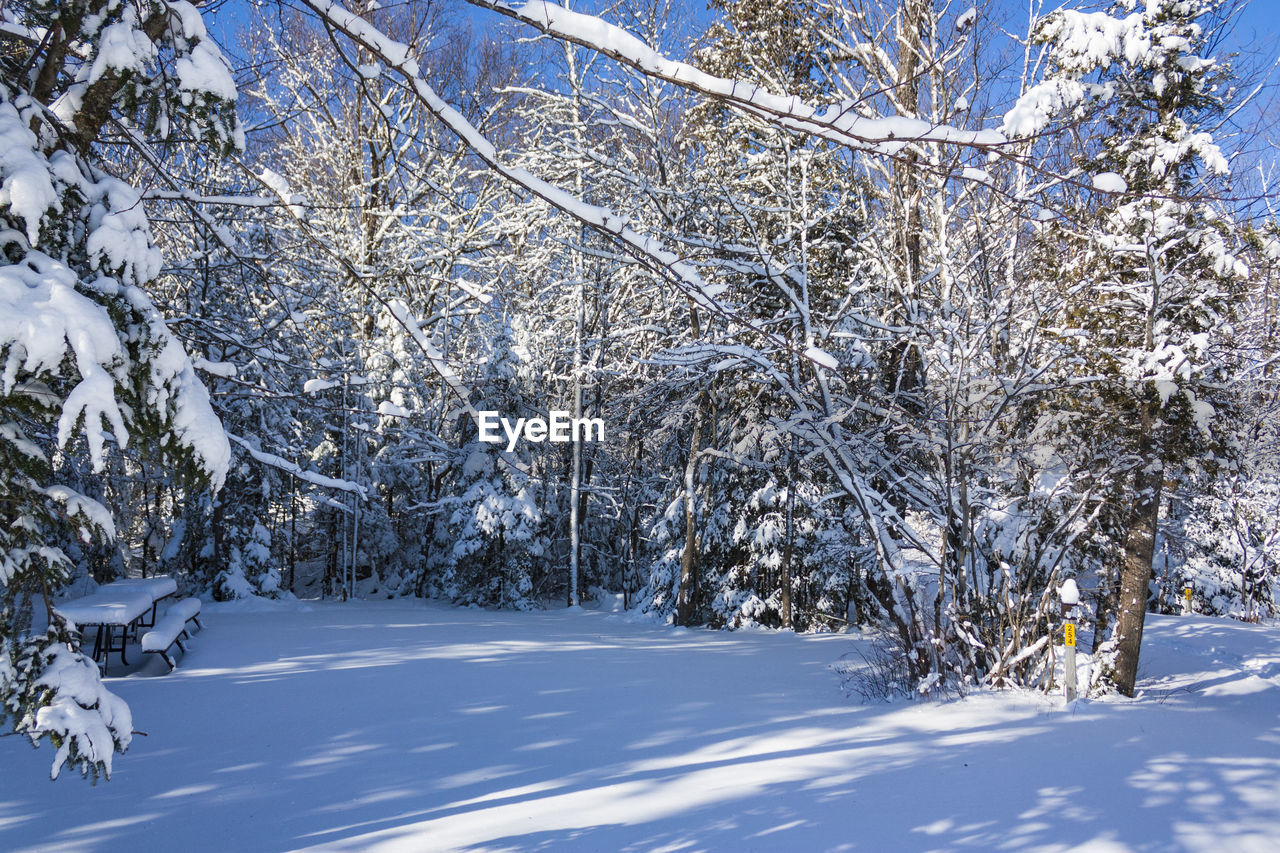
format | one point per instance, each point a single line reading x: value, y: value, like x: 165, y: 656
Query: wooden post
x: 1069, y: 594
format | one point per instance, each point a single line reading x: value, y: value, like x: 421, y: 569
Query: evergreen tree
x: 84, y: 350
x: 494, y: 513
x: 1156, y: 274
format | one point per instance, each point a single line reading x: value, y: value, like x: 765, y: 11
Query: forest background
x: 899, y: 315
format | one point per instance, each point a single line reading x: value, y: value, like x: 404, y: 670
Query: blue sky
x: 1257, y: 27
x: 1256, y: 36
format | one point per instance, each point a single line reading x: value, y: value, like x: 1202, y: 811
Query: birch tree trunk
x: 575, y: 481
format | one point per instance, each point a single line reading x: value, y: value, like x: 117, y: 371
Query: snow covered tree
x: 854, y: 272
x: 1155, y: 277
x: 1222, y: 541
x: 380, y: 273
x: 85, y: 352
x: 494, y: 513
x: 1221, y: 537
x: 766, y: 212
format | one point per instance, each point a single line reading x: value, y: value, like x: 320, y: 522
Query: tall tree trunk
x: 631, y: 500
x: 575, y: 481
x: 293, y: 532
x: 1136, y: 571
x: 788, y: 550
x: 689, y: 558
x: 1104, y: 607
x: 685, y: 598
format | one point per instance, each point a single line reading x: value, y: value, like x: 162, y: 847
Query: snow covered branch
x: 301, y: 473
x: 838, y: 123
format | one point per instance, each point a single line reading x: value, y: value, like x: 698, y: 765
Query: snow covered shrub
x: 242, y: 560
x: 662, y: 577
x: 494, y: 528
x: 745, y: 556
x: 1228, y: 550
x: 250, y: 570
x: 881, y: 675
x: 747, y: 564
x: 53, y: 691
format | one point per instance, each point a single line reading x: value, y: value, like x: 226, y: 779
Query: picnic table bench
x: 171, y: 630
x: 120, y: 608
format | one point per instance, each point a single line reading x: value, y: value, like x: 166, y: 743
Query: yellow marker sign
x: 1188, y: 594
x: 1069, y: 632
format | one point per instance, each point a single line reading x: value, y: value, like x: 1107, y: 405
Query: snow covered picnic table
x: 126, y: 604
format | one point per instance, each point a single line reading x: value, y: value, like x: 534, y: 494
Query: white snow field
x: 404, y: 726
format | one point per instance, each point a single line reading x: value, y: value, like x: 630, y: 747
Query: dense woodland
x: 899, y: 313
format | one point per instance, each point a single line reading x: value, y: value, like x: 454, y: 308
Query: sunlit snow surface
x: 403, y: 726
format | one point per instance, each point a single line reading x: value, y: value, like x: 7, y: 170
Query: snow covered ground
x: 403, y: 726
